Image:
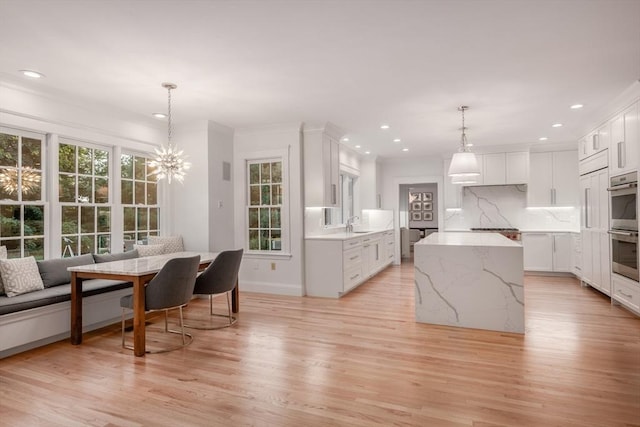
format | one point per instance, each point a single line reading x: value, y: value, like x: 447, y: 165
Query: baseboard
x: 271, y: 288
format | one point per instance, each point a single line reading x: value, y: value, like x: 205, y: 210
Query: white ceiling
x: 358, y: 64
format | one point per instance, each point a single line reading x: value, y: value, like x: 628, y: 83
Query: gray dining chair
x: 220, y: 277
x: 171, y: 288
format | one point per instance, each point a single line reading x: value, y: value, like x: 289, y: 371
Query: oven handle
x: 623, y: 186
x: 623, y: 233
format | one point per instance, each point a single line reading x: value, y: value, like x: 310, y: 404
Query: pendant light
x: 169, y: 162
x: 464, y: 165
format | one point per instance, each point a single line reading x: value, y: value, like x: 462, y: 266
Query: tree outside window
x: 22, y: 223
x: 83, y: 193
x: 265, y: 205
x: 139, y: 198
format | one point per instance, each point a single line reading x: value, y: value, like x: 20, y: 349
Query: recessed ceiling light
x: 357, y: 146
x: 542, y: 138
x: 385, y: 127
x: 576, y: 106
x: 405, y: 149
x: 367, y: 152
x: 556, y: 125
x: 396, y: 140
x: 159, y: 115
x: 469, y: 144
x: 32, y: 74
x: 345, y: 139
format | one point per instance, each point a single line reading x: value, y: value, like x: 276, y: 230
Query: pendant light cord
x: 169, y: 115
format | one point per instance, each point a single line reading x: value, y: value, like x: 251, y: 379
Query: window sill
x: 264, y: 255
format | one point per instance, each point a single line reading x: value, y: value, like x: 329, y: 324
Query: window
x: 83, y: 193
x: 22, y: 224
x: 139, y: 197
x: 347, y: 182
x: 265, y: 195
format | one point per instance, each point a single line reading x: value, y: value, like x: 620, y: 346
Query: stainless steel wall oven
x: 624, y: 225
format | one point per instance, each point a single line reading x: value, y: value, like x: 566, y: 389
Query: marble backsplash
x: 506, y: 206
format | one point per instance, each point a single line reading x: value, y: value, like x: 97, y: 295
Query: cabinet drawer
x: 352, y: 277
x: 351, y: 243
x: 351, y: 258
x: 627, y: 294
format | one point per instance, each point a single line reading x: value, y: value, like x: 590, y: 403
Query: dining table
x: 138, y: 271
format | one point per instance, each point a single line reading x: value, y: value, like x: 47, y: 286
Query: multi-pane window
x: 22, y: 224
x: 83, y: 192
x: 265, y: 205
x: 139, y: 197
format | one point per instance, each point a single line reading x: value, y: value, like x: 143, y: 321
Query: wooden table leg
x: 139, y: 333
x: 235, y: 299
x: 76, y: 309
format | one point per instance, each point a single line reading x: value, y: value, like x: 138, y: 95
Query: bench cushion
x: 115, y: 257
x: 57, y: 294
x: 54, y: 271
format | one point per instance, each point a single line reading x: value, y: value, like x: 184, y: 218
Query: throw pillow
x: 3, y: 255
x: 171, y: 244
x: 20, y: 275
x: 54, y: 271
x: 149, y: 250
x: 115, y: 257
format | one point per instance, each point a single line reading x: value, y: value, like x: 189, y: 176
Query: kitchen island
x: 471, y: 280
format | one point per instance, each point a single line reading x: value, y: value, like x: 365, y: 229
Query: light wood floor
x: 357, y: 361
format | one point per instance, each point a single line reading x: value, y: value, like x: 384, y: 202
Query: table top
x: 139, y: 266
x: 467, y: 239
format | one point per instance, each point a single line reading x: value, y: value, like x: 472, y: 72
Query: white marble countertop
x: 467, y: 239
x: 139, y: 266
x: 344, y: 235
x: 522, y: 230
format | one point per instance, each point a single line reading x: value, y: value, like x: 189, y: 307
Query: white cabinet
x: 547, y: 252
x: 595, y: 142
x: 452, y: 192
x: 625, y: 138
x: 553, y: 179
x: 389, y: 246
x: 494, y: 169
x: 333, y: 267
x: 626, y: 292
x: 517, y: 168
x: 503, y: 168
x: 594, y: 203
x: 321, y: 168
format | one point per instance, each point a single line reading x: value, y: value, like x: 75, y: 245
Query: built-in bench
x: 41, y: 317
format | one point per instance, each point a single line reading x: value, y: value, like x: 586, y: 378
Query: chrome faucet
x: 349, y: 224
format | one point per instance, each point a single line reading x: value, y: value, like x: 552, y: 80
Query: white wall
x: 256, y: 273
x: 194, y: 212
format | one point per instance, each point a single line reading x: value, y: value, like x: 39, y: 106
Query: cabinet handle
x: 625, y: 295
x: 353, y: 257
x: 553, y: 244
x: 354, y: 276
x: 551, y: 196
x: 334, y: 196
x: 595, y: 141
x: 586, y: 208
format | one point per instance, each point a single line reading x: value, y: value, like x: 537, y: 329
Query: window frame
x: 136, y: 206
x: 42, y: 202
x: 60, y: 205
x: 285, y: 226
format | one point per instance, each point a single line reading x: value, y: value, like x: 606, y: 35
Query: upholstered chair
x: 171, y: 288
x: 220, y: 277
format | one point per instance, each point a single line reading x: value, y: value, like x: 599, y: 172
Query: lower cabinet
x: 550, y: 252
x: 596, y: 260
x: 626, y: 292
x: 333, y: 267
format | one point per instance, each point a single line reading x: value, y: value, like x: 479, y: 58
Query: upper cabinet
x: 503, y: 168
x: 553, y: 179
x: 625, y: 138
x: 322, y: 167
x: 595, y: 142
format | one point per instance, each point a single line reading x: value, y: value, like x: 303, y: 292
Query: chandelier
x: 9, y: 180
x: 464, y: 165
x: 169, y: 162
